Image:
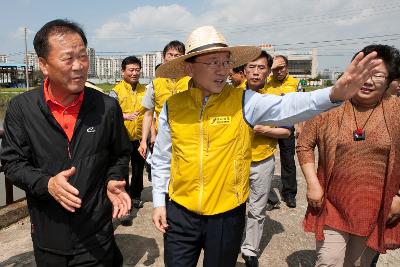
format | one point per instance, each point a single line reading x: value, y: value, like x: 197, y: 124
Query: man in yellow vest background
x: 262, y: 162
x: 202, y: 154
x: 129, y: 93
x: 237, y: 77
x: 281, y: 83
x: 157, y: 92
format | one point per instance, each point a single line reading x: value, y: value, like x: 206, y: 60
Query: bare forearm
x: 147, y: 122
x: 310, y: 173
x: 153, y: 128
x: 279, y: 133
x: 272, y: 132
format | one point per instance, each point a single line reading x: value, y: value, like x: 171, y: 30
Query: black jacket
x: 35, y: 148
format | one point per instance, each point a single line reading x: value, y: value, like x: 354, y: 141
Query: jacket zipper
x: 201, y: 158
x: 69, y: 150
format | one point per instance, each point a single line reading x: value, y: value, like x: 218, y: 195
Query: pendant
x: 359, y: 134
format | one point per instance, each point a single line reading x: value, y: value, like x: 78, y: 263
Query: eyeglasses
x: 215, y: 64
x: 378, y: 78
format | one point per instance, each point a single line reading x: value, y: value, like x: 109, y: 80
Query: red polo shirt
x: 65, y: 116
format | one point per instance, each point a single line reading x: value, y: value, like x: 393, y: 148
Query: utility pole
x: 26, y: 61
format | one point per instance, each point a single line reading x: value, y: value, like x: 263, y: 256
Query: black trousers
x: 188, y: 233
x: 135, y: 187
x: 288, y: 168
x: 107, y: 255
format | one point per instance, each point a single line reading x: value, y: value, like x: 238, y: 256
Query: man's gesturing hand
x: 120, y: 200
x: 160, y: 219
x: 131, y: 116
x: 63, y: 192
x: 142, y: 148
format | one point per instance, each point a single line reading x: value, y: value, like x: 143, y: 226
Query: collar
x: 197, y: 95
x: 50, y: 99
x: 257, y: 91
x: 129, y: 86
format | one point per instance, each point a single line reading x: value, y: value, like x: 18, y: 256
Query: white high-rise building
x: 149, y: 63
x: 33, y: 60
x: 108, y: 68
x: 92, y: 62
x: 3, y: 59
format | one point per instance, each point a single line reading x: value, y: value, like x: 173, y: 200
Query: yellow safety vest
x: 243, y: 85
x: 130, y: 101
x: 262, y: 147
x: 164, y: 88
x: 275, y: 87
x: 211, y: 151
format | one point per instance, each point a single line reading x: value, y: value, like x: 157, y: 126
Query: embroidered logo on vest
x: 220, y: 120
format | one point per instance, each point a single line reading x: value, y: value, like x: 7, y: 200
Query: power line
x: 323, y: 44
x: 337, y: 40
x: 340, y: 44
x: 272, y: 23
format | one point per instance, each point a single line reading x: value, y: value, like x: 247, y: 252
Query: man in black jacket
x: 67, y: 147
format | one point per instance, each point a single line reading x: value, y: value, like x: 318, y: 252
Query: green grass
x: 5, y: 98
x: 106, y: 87
x: 7, y: 93
x: 12, y: 90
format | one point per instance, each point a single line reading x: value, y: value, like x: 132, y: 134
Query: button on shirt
x: 65, y: 116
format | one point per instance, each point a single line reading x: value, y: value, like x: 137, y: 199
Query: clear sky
x: 338, y: 28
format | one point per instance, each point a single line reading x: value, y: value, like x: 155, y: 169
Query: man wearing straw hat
x: 202, y: 154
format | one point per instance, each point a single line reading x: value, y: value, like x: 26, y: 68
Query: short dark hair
x: 130, y: 60
x: 389, y: 55
x: 238, y: 69
x: 58, y: 26
x: 158, y: 65
x: 284, y: 59
x: 179, y: 46
x: 267, y: 56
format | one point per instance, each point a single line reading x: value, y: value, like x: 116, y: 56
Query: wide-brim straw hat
x: 205, y: 40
